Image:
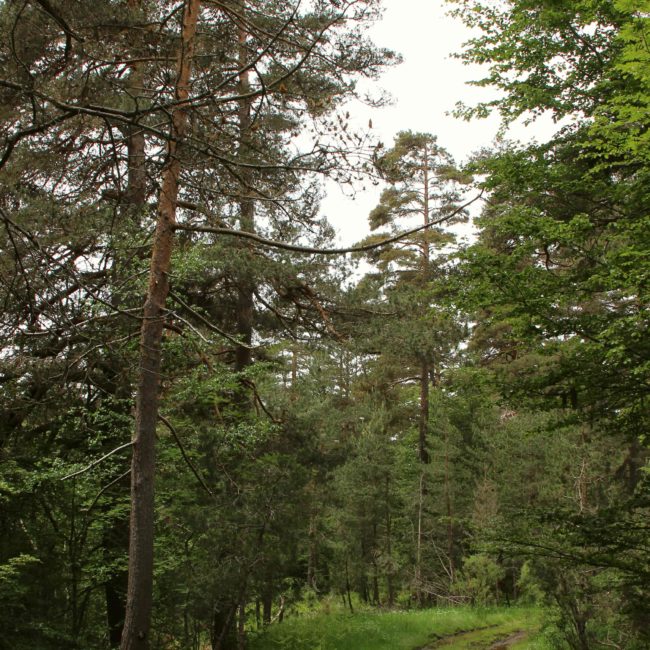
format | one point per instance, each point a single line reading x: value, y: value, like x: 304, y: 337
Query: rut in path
x: 501, y: 644
x: 504, y: 644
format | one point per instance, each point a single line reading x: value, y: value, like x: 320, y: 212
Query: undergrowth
x: 393, y: 630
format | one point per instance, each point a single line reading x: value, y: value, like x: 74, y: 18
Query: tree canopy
x: 212, y: 417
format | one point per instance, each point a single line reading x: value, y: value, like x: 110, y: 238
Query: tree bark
x: 312, y: 559
x: 245, y: 284
x: 418, y: 545
x: 267, y: 607
x: 449, y: 509
x: 241, y: 626
x: 224, y: 635
x: 136, y: 632
x: 347, y: 586
x: 424, y: 368
x: 423, y: 452
x: 389, y: 548
x: 116, y: 538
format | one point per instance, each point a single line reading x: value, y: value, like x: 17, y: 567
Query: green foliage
x: 393, y: 466
x: 555, y: 55
x: 528, y: 585
x: 478, y: 581
x: 11, y: 579
x: 558, y: 282
x: 405, y: 630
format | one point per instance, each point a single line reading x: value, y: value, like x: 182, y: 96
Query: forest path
x: 493, y: 637
x: 513, y: 639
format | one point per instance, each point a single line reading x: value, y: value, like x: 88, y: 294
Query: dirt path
x: 503, y: 644
x: 476, y: 639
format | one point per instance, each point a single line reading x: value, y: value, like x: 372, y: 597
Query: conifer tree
x: 423, y: 184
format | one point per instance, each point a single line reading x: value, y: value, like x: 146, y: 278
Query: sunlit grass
x: 396, y: 630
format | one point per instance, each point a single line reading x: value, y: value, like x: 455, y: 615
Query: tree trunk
x: 347, y: 587
x: 224, y: 635
x: 389, y: 548
x: 136, y: 190
x: 423, y: 452
x: 448, y: 507
x: 424, y: 368
x: 116, y: 538
x: 425, y: 459
x: 115, y: 605
x: 376, y: 600
x: 140, y: 586
x: 312, y: 559
x: 241, y: 626
x: 267, y: 607
x: 418, y: 546
x: 245, y: 283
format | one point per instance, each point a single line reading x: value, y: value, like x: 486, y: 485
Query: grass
x: 402, y: 630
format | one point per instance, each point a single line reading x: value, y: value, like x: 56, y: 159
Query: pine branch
x: 324, y: 251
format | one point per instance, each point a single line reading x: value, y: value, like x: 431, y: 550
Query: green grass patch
x: 372, y: 630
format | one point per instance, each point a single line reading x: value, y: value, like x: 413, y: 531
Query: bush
x: 479, y: 580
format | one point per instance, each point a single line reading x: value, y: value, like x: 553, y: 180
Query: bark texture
x: 245, y: 282
x: 136, y: 632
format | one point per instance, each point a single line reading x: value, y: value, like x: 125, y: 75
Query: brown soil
x: 504, y: 644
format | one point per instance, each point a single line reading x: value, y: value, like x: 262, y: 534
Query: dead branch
x: 186, y: 458
x: 96, y: 462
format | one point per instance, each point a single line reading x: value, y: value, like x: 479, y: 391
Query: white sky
x: 426, y: 86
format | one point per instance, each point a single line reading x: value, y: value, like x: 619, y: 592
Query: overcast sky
x: 426, y: 86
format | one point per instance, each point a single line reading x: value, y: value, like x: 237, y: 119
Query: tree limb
x: 107, y: 487
x: 96, y: 462
x: 323, y: 251
x: 186, y: 458
x: 208, y: 324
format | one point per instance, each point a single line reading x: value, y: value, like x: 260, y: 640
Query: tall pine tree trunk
x: 423, y: 453
x: 245, y: 283
x: 389, y: 547
x: 136, y: 632
x: 449, y: 509
x: 418, y: 545
x: 229, y: 629
x: 116, y: 536
x: 424, y: 367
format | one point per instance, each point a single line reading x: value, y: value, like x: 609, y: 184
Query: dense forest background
x: 407, y: 424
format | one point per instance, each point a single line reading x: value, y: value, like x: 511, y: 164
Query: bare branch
x: 258, y: 399
x: 208, y: 324
x: 49, y: 9
x: 324, y: 251
x: 279, y: 316
x: 96, y: 462
x: 107, y: 487
x: 186, y: 458
x: 32, y: 130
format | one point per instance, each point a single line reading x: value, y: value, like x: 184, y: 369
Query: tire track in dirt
x: 466, y: 635
x: 504, y: 644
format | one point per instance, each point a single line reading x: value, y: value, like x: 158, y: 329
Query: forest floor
x: 457, y: 628
x: 494, y: 637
